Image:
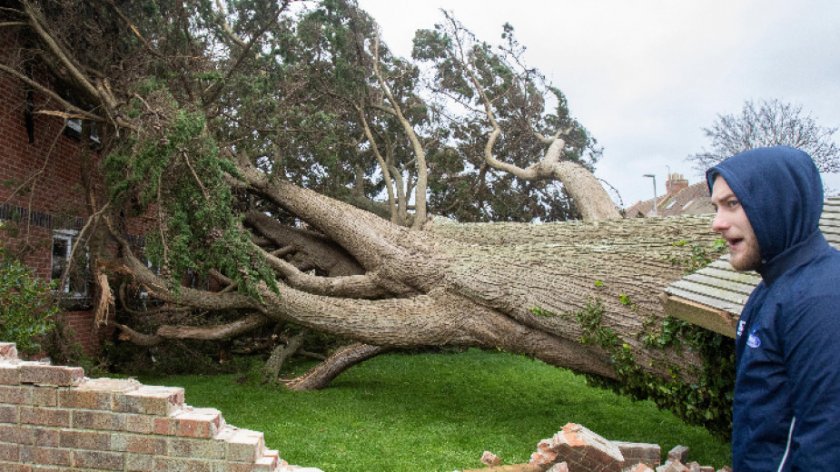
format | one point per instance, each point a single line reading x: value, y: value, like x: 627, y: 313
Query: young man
x: 786, y: 411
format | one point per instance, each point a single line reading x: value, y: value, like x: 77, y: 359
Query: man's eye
x: 732, y: 203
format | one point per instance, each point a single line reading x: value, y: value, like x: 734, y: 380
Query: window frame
x: 70, y: 237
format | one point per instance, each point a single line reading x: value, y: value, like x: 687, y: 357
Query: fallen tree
x: 242, y: 177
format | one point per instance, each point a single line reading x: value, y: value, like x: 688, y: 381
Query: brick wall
x: 42, y: 176
x: 53, y: 418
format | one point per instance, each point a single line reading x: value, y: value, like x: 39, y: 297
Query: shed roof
x: 714, y: 296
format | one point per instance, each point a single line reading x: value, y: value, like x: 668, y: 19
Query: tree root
x: 321, y: 375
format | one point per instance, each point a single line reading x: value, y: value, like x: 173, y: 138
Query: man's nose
x: 719, y: 223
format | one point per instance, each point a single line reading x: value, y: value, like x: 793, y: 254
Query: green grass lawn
x: 436, y: 412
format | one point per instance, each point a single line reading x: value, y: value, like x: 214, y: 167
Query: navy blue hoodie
x: 786, y: 411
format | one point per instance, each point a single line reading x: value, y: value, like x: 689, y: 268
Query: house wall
x: 43, y: 176
x: 40, y: 180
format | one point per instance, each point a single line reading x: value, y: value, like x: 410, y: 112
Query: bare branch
x: 214, y: 333
x: 134, y: 29
x: 96, y: 93
x: 74, y: 111
x: 416, y: 146
x: 353, y: 286
x: 383, y: 166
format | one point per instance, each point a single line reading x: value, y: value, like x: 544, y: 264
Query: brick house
x: 42, y: 199
x: 680, y: 198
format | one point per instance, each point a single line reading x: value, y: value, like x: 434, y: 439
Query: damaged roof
x: 714, y: 296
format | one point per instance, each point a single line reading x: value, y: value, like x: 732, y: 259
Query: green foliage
x: 174, y: 163
x: 467, y: 70
x: 449, y: 407
x: 624, y: 299
x: 27, y: 311
x: 537, y: 311
x: 594, y: 331
x: 706, y: 401
x: 699, y: 256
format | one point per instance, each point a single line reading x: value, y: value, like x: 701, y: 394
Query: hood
x: 780, y: 190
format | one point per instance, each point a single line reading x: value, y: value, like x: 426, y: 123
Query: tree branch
x: 74, y: 110
x: 419, y: 153
x: 97, y: 94
x: 352, y: 286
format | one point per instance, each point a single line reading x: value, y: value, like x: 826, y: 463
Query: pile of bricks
x: 53, y: 418
x: 577, y: 449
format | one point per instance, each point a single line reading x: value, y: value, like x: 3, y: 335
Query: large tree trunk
x: 523, y: 288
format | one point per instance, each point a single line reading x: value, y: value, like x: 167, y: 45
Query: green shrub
x: 27, y: 311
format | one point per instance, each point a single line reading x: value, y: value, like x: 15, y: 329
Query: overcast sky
x: 645, y: 76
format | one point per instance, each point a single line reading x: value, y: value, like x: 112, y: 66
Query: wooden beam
x: 712, y: 319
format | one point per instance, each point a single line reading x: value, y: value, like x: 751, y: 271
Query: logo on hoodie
x: 753, y: 341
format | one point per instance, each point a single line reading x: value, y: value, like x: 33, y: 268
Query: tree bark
x: 279, y: 355
x: 321, y: 375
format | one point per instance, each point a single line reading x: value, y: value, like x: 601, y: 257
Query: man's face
x: 732, y: 223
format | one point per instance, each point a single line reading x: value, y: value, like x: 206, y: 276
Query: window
x: 73, y: 128
x: 76, y: 284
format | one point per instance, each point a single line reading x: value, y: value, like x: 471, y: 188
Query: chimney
x: 675, y: 183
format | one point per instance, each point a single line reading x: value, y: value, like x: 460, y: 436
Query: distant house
x: 714, y: 296
x: 680, y: 199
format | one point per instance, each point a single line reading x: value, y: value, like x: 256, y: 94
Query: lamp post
x: 654, y: 191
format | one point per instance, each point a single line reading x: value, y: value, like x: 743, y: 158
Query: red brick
x: 99, y: 460
x: 10, y: 433
x: 16, y: 467
x: 92, y: 440
x: 269, y: 460
x: 198, y: 422
x: 99, y: 420
x: 41, y: 374
x: 9, y: 414
x: 40, y: 396
x: 581, y: 449
x: 678, y: 454
x: 13, y: 395
x: 39, y: 436
x: 178, y: 447
x: 45, y: 455
x: 95, y: 394
x: 243, y: 445
x: 182, y: 465
x: 138, y: 444
x: 9, y: 375
x: 86, y: 400
x: 640, y: 467
x: 139, y: 424
x: 9, y: 452
x: 645, y: 453
x: 140, y: 463
x: 45, y: 416
x: 165, y: 426
x: 149, y: 400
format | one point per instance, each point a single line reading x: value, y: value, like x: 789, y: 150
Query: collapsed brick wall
x: 53, y: 418
x: 577, y: 449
